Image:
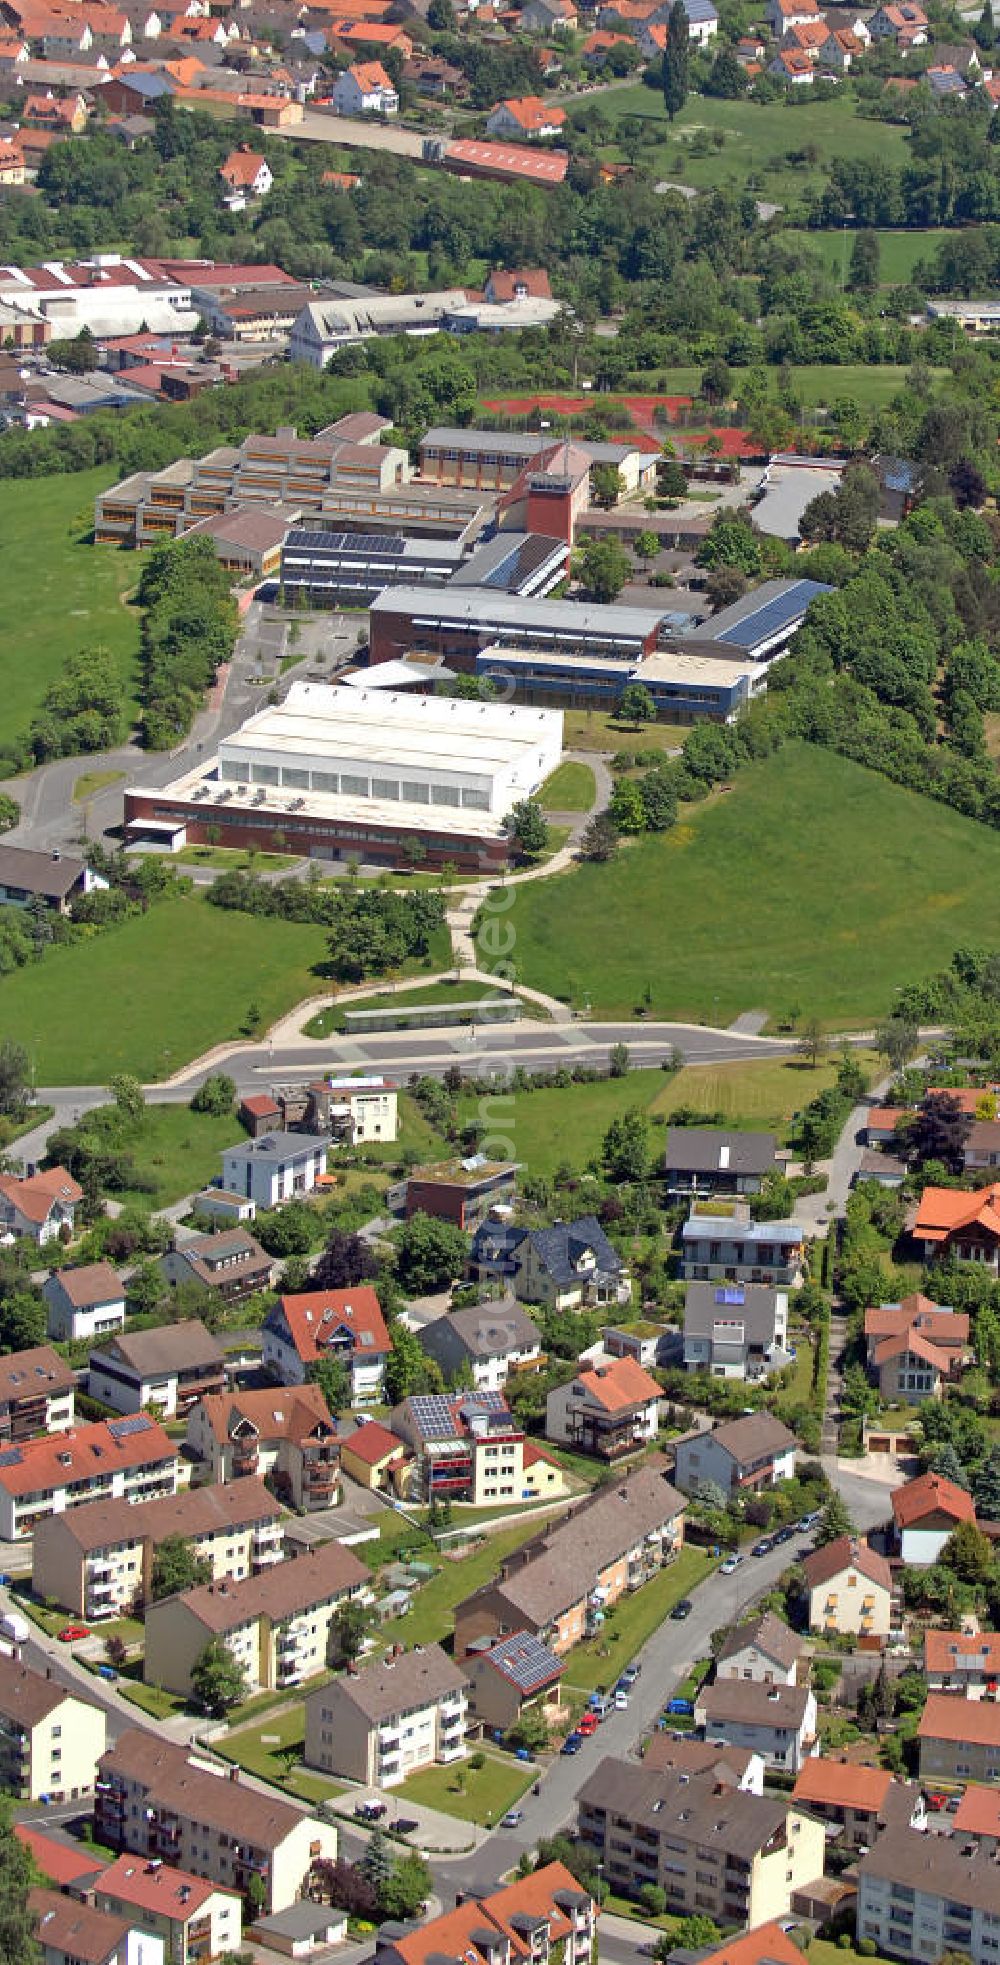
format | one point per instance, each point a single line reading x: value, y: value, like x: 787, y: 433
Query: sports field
x: 812, y: 885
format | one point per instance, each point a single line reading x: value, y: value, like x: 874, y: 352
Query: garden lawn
x: 564, y: 1124
x: 595, y: 730
x: 571, y: 788
x: 431, y: 1615
x: 60, y: 594
x: 633, y: 1620
x: 474, y: 1794
x: 262, y: 1750
x: 812, y: 885
x: 153, y: 993
x: 762, y: 1095
x: 179, y: 1150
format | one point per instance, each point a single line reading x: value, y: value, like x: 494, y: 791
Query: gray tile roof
x: 767, y: 1634
x: 752, y: 1304
x: 687, y: 1808
x: 709, y: 1149
x: 172, y: 1347
x: 398, y: 1685
x: 559, y: 1249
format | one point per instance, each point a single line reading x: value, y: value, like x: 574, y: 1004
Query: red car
x: 72, y: 1632
x: 588, y: 1724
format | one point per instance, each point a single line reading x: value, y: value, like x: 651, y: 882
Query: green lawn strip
x: 632, y: 1621
x: 230, y: 859
x: 443, y: 994
x: 178, y: 1150
x: 151, y: 1699
x: 768, y: 897
x: 90, y: 782
x: 430, y: 1617
x: 473, y: 1794
x: 799, y: 1391
x: 61, y: 594
x: 596, y: 730
x: 50, y: 1621
x: 157, y: 990
x: 263, y: 1750
x: 571, y: 788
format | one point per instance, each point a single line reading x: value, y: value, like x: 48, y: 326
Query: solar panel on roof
x: 733, y: 1298
x: 137, y: 1422
x: 433, y: 1416
x: 386, y: 545
x: 11, y: 1456
x: 773, y: 616
x: 525, y: 1662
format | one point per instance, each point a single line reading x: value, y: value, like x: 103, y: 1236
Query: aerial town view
x: 499, y: 982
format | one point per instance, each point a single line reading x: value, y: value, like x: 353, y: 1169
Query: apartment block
x: 388, y: 1720
x: 468, y: 1448
x: 193, y: 1919
x: 277, y: 1625
x: 50, y: 1740
x: 959, y: 1739
x: 155, y: 1801
x: 915, y: 1908
x: 36, y: 1394
x: 559, y: 1586
x: 116, y: 1459
x: 734, y: 1856
x: 289, y: 1435
x: 97, y: 1561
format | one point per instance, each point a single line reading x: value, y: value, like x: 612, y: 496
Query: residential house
x: 776, y: 1721
x: 560, y: 1585
x: 50, y: 1740
x: 959, y: 1739
x: 730, y: 1248
x: 726, y: 1767
x: 12, y: 166
x: 914, y: 1347
x: 72, y: 1933
x: 883, y: 1122
x: 84, y: 1302
x: 549, y: 17
x: 366, y: 89
x: 911, y: 1906
x: 260, y: 1113
x: 525, y: 119
x: 907, y: 25
x: 767, y: 1944
x: 898, y: 477
x: 977, y: 1819
x: 511, y: 1676
x: 276, y: 1167
x: 856, y: 1802
x: 599, y: 45
x: 346, y: 1326
x: 925, y: 1512
x: 219, y: 1209
x: 164, y: 1369
x: 67, y: 115
x: 609, y: 1409
x: 792, y: 65
x: 704, y: 1160
x: 465, y: 1448
x: 371, y: 1455
x: 277, y: 1624
x: 751, y: 1453
x: 982, y: 1145
x: 809, y: 38
x: 722, y: 1853
x: 783, y: 14
x: 41, y: 1207
x: 494, y: 1341
x: 155, y: 1801
x: 387, y: 1720
x: 570, y: 1266
x: 97, y: 1561
x: 230, y: 1263
x: 244, y: 175
x: 354, y: 1111
x: 520, y: 283
x: 883, y: 1168
x: 764, y: 1652
x: 36, y: 1394
x: 962, y: 1661
x: 194, y: 1919
x: 735, y: 1330
x: 289, y: 1436
x: 647, y: 1342
x: 533, y: 1921
x: 849, y: 1589
x: 129, y: 1459
x: 459, y: 1191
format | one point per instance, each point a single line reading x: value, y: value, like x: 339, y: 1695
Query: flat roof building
x: 457, y: 622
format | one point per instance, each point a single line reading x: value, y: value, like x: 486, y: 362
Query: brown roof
x: 260, y: 1105
x: 26, y: 1374
x: 35, y: 1198
x: 278, y: 1593
x: 768, y: 1634
x: 287, y: 1412
x: 195, y: 1511
x: 900, y: 1856
x: 843, y: 1784
x: 931, y: 1494
x: 972, y: 1721
x: 563, y: 1561
x: 726, y: 1765
x: 171, y: 1347
x: 685, y: 1808
x: 92, y: 1284
x: 78, y: 1930
x: 733, y: 1699
x: 26, y: 1697
x: 171, y: 1780
x: 845, y: 1552
x: 753, y: 1437
x: 257, y: 531
x: 50, y: 874
x: 250, y: 1257
x: 416, y: 1678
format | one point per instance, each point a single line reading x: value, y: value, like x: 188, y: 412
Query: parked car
x: 679, y: 1708
x: 512, y: 1817
x: 405, y: 1825
x: 588, y: 1725
x: 762, y: 1548
x: 621, y: 1702
x: 730, y: 1565
x: 937, y: 1802
x: 370, y: 1811
x: 73, y: 1632
x: 682, y: 1610
x: 572, y: 1743
x: 783, y: 1535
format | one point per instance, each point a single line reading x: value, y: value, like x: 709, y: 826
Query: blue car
x: 572, y: 1743
x: 681, y: 1707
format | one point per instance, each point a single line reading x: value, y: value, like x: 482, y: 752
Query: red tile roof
x: 532, y: 280
x: 945, y: 1210
x: 978, y: 1812
x: 372, y: 1443
x: 59, y: 1861
x: 946, y: 1717
x: 931, y: 1494
x: 943, y: 1649
x: 370, y: 76
x: 845, y: 1553
x: 158, y: 1887
x: 35, y: 1197
x: 260, y: 1105
x: 84, y: 1453
x: 281, y: 1413
x: 509, y: 160
x: 618, y: 1383
x: 768, y: 1944
x: 532, y: 113
x: 241, y: 167
x: 317, y: 1317
x: 839, y: 1784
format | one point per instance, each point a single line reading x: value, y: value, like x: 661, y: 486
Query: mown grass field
x: 473, y: 1794
x: 812, y: 885
x: 898, y: 251
x: 60, y: 594
x: 179, y: 1150
x: 760, y: 140
x: 571, y: 788
x: 151, y: 994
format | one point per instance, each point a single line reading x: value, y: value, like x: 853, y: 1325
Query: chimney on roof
x: 234, y: 1773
